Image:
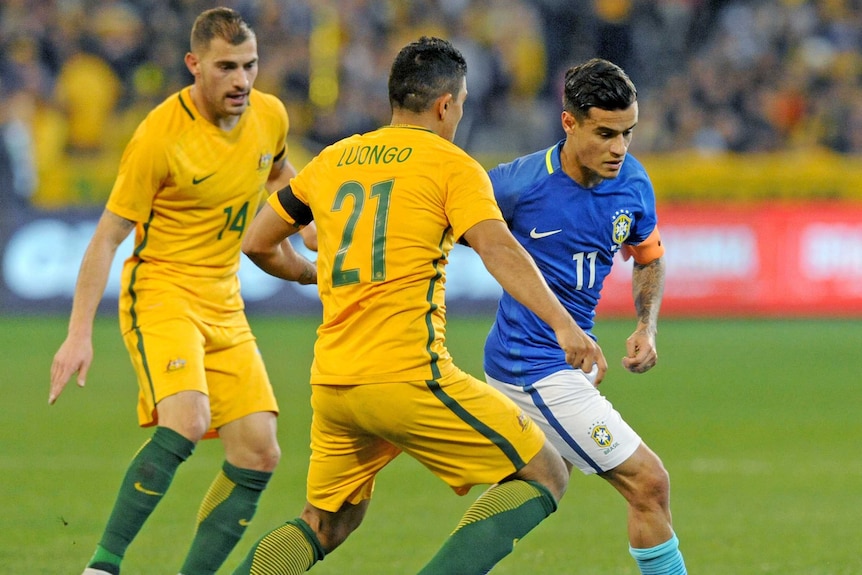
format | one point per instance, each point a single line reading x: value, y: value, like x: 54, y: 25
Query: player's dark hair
x: 597, y: 83
x: 423, y: 71
x: 223, y: 23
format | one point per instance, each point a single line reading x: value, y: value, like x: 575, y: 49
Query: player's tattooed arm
x: 647, y: 290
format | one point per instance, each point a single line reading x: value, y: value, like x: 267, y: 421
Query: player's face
x: 454, y: 113
x: 224, y: 75
x: 595, y: 148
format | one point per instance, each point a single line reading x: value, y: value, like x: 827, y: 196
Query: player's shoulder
x: 529, y: 167
x: 265, y: 103
x: 170, y: 116
x: 511, y: 179
x: 633, y: 168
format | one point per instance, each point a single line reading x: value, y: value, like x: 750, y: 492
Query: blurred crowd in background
x: 76, y: 76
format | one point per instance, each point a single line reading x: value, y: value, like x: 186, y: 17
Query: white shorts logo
x: 602, y: 436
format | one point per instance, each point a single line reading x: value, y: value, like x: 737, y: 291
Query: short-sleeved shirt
x: 193, y: 189
x: 572, y: 233
x: 388, y: 206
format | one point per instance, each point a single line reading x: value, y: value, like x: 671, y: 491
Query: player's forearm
x: 282, y: 261
x: 647, y: 291
x: 516, y: 272
x: 89, y: 289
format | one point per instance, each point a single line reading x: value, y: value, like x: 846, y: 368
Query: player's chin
x: 611, y: 170
x: 236, y: 110
x: 236, y: 104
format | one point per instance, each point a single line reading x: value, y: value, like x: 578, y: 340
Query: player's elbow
x: 255, y: 249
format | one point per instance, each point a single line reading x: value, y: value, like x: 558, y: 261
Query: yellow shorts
x: 181, y: 353
x: 463, y: 430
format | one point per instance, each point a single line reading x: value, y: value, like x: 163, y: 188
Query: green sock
x: 147, y: 479
x: 287, y: 550
x: 106, y: 561
x: 491, y: 527
x: 224, y: 514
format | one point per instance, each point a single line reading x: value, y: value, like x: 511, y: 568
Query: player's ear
x: 442, y: 105
x: 568, y: 120
x: 192, y: 63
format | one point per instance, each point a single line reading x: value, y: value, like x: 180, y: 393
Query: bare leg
x: 645, y: 484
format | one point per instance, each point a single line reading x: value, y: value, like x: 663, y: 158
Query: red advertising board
x: 759, y: 260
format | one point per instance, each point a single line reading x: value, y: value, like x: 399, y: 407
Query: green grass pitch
x: 758, y: 422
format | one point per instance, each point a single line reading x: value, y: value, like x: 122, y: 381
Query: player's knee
x: 187, y: 413
x: 193, y: 427
x: 547, y: 468
x: 269, y: 460
x: 263, y: 457
x: 332, y: 529
x: 652, y: 485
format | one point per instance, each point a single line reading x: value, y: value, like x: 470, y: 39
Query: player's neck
x: 571, y: 167
x: 405, y: 119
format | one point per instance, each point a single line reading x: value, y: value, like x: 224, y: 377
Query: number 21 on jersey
x: 379, y: 198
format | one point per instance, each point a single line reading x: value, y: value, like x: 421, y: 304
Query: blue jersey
x: 572, y: 233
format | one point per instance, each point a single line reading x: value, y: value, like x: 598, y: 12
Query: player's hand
x: 641, y: 355
x: 72, y: 357
x: 582, y: 352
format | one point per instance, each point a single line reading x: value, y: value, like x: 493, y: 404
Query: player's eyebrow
x: 228, y: 62
x: 609, y: 130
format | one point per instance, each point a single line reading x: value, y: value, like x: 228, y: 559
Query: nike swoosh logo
x: 145, y: 491
x: 244, y: 522
x: 539, y: 235
x: 196, y: 181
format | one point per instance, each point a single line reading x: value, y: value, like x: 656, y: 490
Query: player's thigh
x: 463, y: 430
x: 579, y: 421
x: 236, y: 375
x: 167, y: 355
x: 345, y: 458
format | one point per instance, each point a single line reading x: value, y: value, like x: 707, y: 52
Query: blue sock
x: 664, y: 559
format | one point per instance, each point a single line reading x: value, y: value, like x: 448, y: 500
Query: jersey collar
x: 552, y: 158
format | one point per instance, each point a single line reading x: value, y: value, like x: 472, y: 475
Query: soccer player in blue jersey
x: 573, y: 207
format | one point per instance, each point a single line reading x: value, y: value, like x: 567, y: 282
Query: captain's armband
x: 297, y: 210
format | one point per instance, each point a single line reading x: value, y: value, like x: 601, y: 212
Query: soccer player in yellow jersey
x: 190, y: 181
x: 388, y: 206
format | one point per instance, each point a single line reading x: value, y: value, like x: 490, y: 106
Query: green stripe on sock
x: 291, y: 549
x: 224, y: 514
x: 491, y: 527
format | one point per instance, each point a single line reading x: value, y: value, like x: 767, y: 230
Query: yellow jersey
x: 388, y: 206
x: 193, y: 188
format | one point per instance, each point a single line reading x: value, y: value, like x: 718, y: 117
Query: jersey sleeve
x: 505, y: 193
x: 644, y: 243
x: 143, y: 169
x: 290, y: 208
x: 647, y: 218
x: 470, y: 198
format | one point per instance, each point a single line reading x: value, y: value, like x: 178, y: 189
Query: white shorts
x: 578, y: 420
